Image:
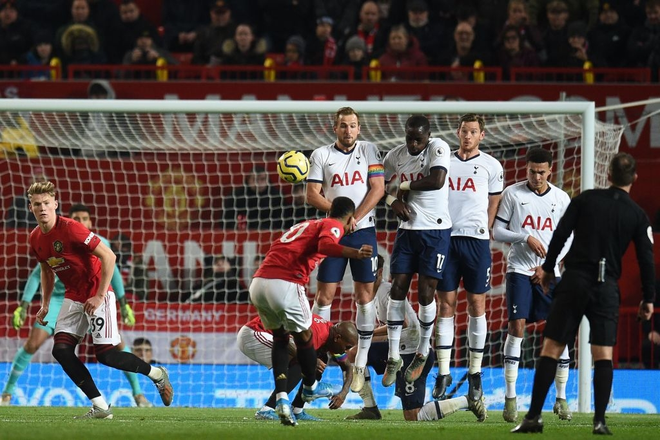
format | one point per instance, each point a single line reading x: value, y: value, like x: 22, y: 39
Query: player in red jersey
x: 278, y: 292
x: 329, y: 340
x: 85, y: 266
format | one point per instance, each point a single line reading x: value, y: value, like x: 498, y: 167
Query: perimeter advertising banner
x: 248, y: 386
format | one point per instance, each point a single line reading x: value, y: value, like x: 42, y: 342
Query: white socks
x: 365, y: 323
x: 511, y: 362
x: 477, y: 330
x: 444, y: 342
x: 436, y: 410
x: 561, y: 376
x: 426, y: 315
x: 396, y: 311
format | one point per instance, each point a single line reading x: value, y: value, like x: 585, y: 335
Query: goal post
x: 152, y: 169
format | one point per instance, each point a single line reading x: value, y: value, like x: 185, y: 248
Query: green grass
x: 204, y: 423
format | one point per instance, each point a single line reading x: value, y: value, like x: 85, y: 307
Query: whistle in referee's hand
x: 601, y: 270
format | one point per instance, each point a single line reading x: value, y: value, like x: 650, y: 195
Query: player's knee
x: 62, y: 351
x: 105, y: 354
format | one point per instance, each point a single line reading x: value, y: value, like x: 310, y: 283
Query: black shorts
x: 578, y: 294
x: 412, y: 395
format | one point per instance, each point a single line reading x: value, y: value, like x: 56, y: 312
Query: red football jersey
x: 295, y: 254
x: 320, y: 330
x: 67, y: 249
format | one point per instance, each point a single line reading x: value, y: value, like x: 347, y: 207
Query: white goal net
x: 170, y: 185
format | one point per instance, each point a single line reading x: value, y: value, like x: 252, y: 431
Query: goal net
x: 166, y: 183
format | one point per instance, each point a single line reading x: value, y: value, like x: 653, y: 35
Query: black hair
x: 141, y: 341
x: 341, y: 207
x: 419, y: 121
x: 538, y: 155
x: 79, y: 207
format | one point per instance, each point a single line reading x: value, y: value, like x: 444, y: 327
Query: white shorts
x: 258, y: 346
x: 102, y: 325
x: 281, y: 304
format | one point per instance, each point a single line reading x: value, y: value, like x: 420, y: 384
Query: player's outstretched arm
x: 338, y: 399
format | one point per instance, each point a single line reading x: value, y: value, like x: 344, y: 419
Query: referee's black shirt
x: 604, y: 222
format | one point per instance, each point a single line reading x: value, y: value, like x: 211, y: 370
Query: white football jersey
x: 347, y: 174
x: 471, y: 181
x: 429, y: 209
x: 410, y: 334
x: 523, y: 210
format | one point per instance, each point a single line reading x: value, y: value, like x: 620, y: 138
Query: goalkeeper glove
x: 127, y: 315
x: 20, y: 314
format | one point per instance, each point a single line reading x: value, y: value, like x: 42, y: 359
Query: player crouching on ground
x: 329, y: 340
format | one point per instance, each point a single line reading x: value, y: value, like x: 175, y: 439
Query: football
x: 293, y: 167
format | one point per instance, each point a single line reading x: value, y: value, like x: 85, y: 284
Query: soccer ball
x: 293, y: 167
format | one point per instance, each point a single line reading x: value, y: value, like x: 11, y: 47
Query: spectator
x: 484, y: 37
x: 584, y: 10
x: 17, y: 139
x: 208, y: 45
x: 610, y: 37
x: 322, y: 47
x: 644, y: 43
x: 294, y: 56
x: 356, y: 56
x: 132, y: 25
x: 15, y: 34
x: 181, y: 19
x: 431, y: 36
x: 651, y: 332
x: 512, y: 52
x: 244, y: 49
x: 344, y: 14
x: 143, y: 349
x: 256, y: 205
x: 299, y: 210
x: 463, y: 53
x: 580, y: 52
x: 371, y: 30
x: 78, y: 42
x: 555, y: 35
x: 40, y: 55
x: 530, y: 35
x: 402, y: 51
x: 281, y: 19
x: 145, y: 52
x: 222, y: 285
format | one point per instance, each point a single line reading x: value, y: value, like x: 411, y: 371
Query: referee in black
x: 604, y: 222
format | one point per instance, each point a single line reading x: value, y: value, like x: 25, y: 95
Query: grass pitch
x: 53, y: 423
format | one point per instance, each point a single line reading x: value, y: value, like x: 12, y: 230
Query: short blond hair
x: 44, y: 187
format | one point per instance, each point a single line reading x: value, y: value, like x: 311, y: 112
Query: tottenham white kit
x: 471, y: 181
x: 429, y: 208
x: 524, y: 211
x: 347, y: 173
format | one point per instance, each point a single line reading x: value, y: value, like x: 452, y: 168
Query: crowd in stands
x: 402, y: 33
